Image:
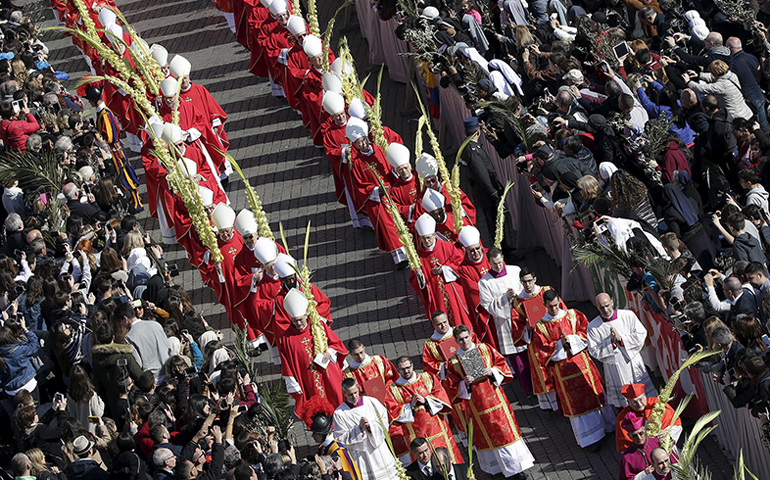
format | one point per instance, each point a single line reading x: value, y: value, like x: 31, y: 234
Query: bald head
x: 33, y: 234
x: 733, y: 285
x: 734, y: 44
x: 660, y: 461
x: 715, y: 39
x: 70, y: 191
x: 688, y: 98
x: 605, y: 305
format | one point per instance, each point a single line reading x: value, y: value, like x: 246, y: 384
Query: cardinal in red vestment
x: 366, y: 165
x: 274, y: 41
x: 472, y: 269
x: 440, y: 259
x: 308, y: 368
x: 404, y: 184
x: 427, y: 168
x: 642, y: 404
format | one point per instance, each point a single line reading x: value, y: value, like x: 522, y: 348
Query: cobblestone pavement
x: 369, y: 299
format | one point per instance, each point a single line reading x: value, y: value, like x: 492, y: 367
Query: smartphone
x: 17, y: 252
x: 82, y: 285
x: 621, y: 51
x: 191, y: 370
x: 766, y: 339
x: 137, y: 303
x: 243, y: 408
x: 93, y: 420
x: 58, y: 397
x: 185, y: 332
x: 16, y: 106
x: 173, y: 269
x: 109, y: 227
x: 116, y: 188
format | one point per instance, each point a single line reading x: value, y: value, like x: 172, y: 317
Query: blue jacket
x: 19, y: 369
x: 685, y: 133
x: 33, y: 314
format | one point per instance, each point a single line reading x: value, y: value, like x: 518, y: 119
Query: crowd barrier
x: 736, y: 429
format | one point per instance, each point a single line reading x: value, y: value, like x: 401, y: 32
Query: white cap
x: 86, y: 172
x: 432, y: 200
x: 425, y: 225
x: 575, y: 75
x: 429, y: 13
x: 357, y: 108
x: 469, y: 235
x: 207, y: 195
x: 168, y: 87
x: 160, y: 54
x: 690, y: 15
x: 223, y: 216
x: 266, y: 3
x: 179, y: 66
x: 296, y: 25
x: 115, y: 34
x: 338, y: 64
x: 312, y: 46
x: 700, y: 31
x: 265, y: 250
x: 157, y: 125
x: 284, y: 265
x: 189, y: 167
x: 172, y: 133
x: 278, y: 7
x: 356, y: 129
x: 331, y: 83
x: 698, y: 22
x: 333, y: 103
x: 295, y: 303
x: 245, y: 223
x: 397, y: 155
x: 107, y: 17
x: 426, y: 165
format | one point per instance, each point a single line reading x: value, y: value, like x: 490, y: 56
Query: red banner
x: 669, y: 355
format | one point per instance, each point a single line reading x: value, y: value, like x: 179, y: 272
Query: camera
x: 284, y: 445
x: 172, y: 269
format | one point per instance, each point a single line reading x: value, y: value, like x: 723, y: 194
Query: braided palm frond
x: 500, y: 219
x: 689, y: 467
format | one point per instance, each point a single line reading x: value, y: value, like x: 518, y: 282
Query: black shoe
x: 402, y: 265
x: 595, y: 447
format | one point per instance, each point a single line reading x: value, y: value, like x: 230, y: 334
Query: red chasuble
x: 157, y: 186
x: 438, y: 295
x: 263, y: 22
x: 271, y: 318
x: 310, y: 96
x: 297, y: 353
x: 248, y: 14
x: 363, y: 182
x: 333, y: 138
x: 470, y: 273
x: 273, y: 39
x: 189, y: 118
x: 296, y: 67
x: 488, y: 406
x: 433, y: 428
x: 403, y: 192
x: 204, y: 102
x: 576, y: 380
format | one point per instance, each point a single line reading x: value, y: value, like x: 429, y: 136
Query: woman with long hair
x: 111, y: 262
x: 30, y: 303
x: 748, y: 331
x: 17, y: 347
x: 106, y: 194
x: 41, y: 469
x: 82, y: 400
x: 630, y: 199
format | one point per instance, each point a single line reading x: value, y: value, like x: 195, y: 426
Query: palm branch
x: 602, y: 252
x: 500, y: 219
x: 35, y: 175
x: 689, y: 467
x: 502, y: 113
x: 274, y: 409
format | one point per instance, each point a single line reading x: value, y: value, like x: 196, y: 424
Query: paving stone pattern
x: 369, y: 299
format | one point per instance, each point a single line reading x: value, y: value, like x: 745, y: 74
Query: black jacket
x: 85, y: 469
x: 697, y: 119
x: 485, y: 189
x: 566, y: 170
x: 746, y: 247
x: 84, y: 210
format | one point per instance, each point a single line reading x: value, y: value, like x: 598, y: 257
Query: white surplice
x: 369, y: 449
x: 623, y: 364
x: 492, y: 294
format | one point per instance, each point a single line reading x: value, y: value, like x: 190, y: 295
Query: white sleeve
x: 193, y: 134
x: 375, y: 195
x: 497, y: 377
x: 283, y: 58
x: 560, y: 353
x: 496, y: 306
x: 576, y: 344
x: 407, y: 414
x: 449, y: 274
x: 292, y: 385
x: 599, y: 346
x: 433, y: 406
x: 333, y: 354
x: 717, y: 305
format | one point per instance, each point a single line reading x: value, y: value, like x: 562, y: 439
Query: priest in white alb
x: 358, y: 424
x: 616, y: 339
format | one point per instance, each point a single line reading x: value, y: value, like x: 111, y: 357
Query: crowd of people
x: 642, y: 124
